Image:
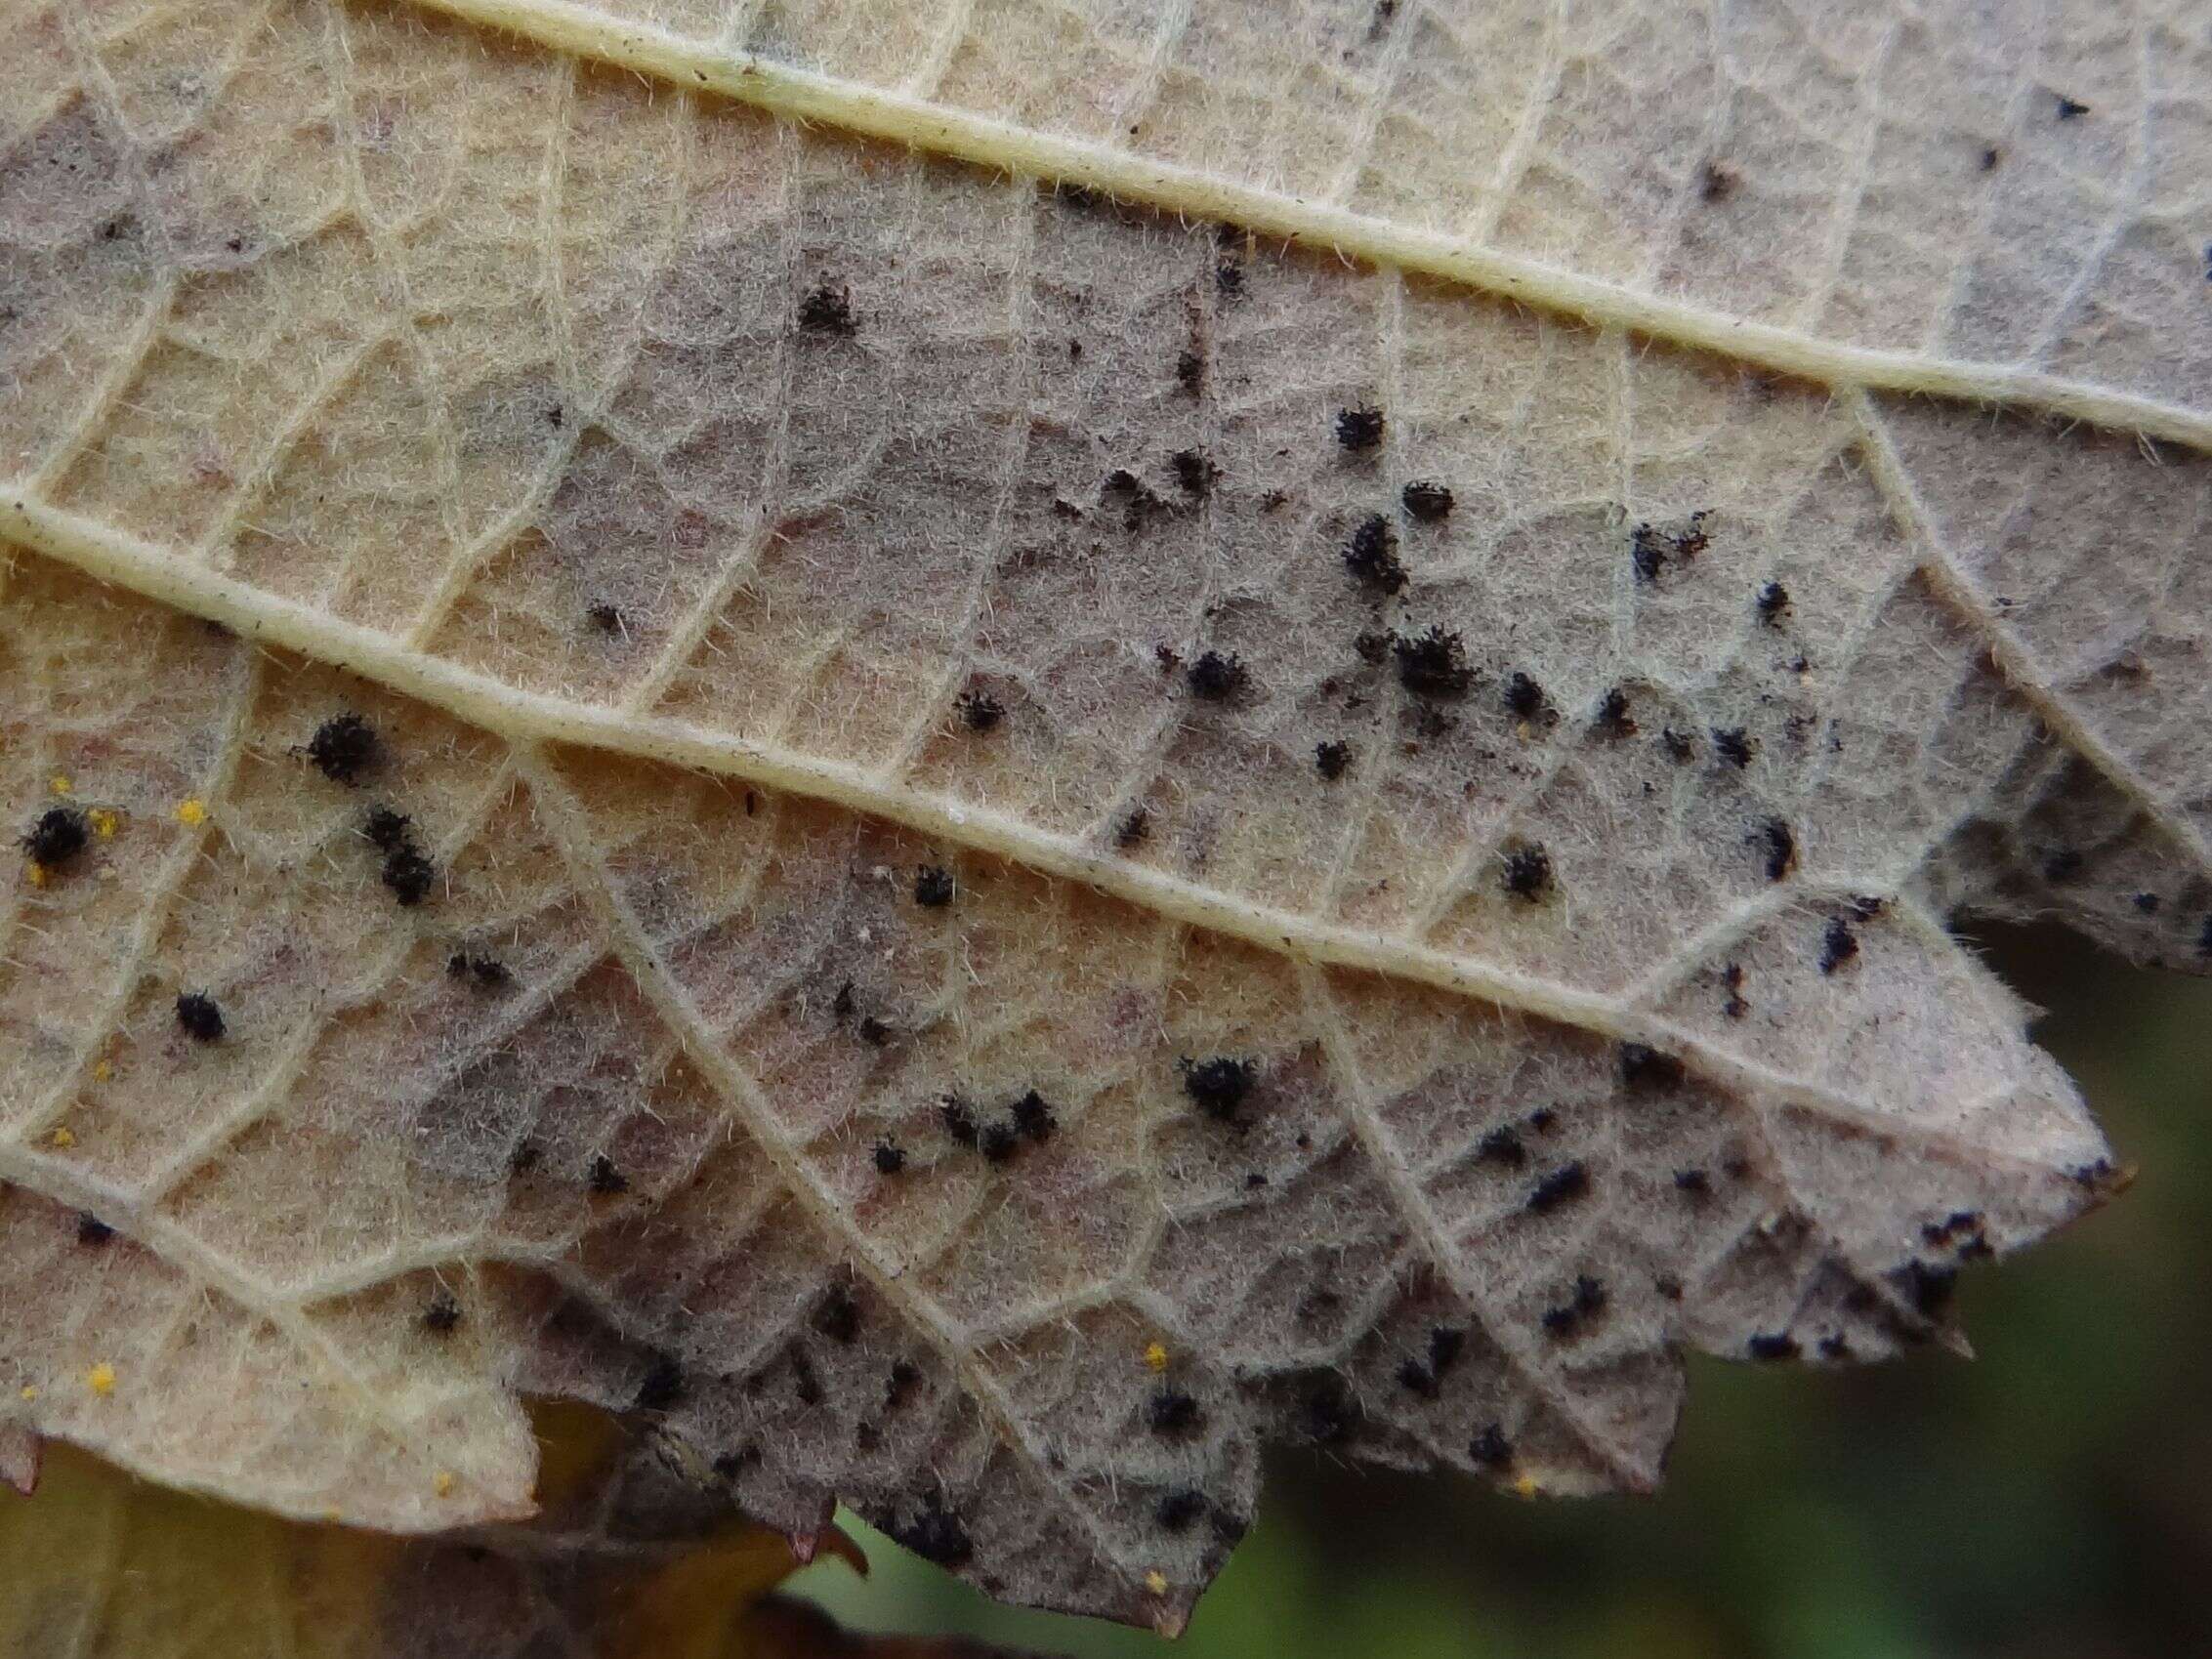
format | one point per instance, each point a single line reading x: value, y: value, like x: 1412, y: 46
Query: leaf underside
x: 841, y: 772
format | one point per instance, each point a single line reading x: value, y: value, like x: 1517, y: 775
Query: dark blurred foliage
x: 2051, y: 1499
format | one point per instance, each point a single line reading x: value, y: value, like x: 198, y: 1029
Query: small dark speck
x: 889, y: 1157
x: 607, y: 618
x: 1332, y: 759
x: 2063, y: 865
x: 1372, y: 556
x: 999, y: 1142
x: 2071, y: 110
x: 1502, y: 1147
x: 1732, y: 744
x: 1177, y: 1510
x: 1566, y: 1183
x: 1991, y: 156
x: 837, y: 1315
x: 93, y: 1232
x: 442, y: 1315
x: 604, y: 1178
x: 1433, y: 664
x: 1133, y: 828
x: 1680, y: 744
x: 1194, y: 473
x: 979, y: 710
x: 1716, y: 183
x: 1773, y: 602
x: 1772, y: 1345
x: 1218, y: 675
x: 1695, y: 1182
x: 959, y: 1122
x: 1642, y: 1066
x: 1527, y: 873
x: 1033, y: 1117
x: 1837, y: 944
x: 2147, y: 902
x: 662, y: 1385
x: 1490, y: 1448
x: 1427, y: 502
x: 57, y: 836
x: 1359, y: 430
x: 1217, y: 1087
x: 1190, y: 372
x: 1171, y: 1411
x: 343, y: 747
x: 933, y: 887
x: 1418, y: 1378
x: 828, y: 310
x: 1229, y: 278
x: 874, y: 1033
x: 1780, y: 844
x: 199, y: 1017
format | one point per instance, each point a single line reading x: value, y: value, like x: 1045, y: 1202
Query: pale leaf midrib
x: 875, y: 112
x: 527, y: 717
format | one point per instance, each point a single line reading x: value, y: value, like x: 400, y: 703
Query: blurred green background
x: 2050, y: 1500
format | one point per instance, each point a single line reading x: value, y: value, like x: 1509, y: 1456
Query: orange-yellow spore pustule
x: 100, y: 1379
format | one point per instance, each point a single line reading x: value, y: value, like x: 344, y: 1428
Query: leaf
x: 989, y: 751
x: 623, y: 1561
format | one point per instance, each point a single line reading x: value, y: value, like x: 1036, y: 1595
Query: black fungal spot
x: 1134, y: 828
x: 1613, y: 718
x: 1445, y: 1345
x: 2071, y: 110
x: 837, y: 1317
x: 1372, y: 556
x: 1218, y: 677
x: 1837, y: 944
x: 1569, y: 1317
x: 1991, y: 156
x: 1190, y: 372
x: 1418, y: 1378
x: 999, y: 1143
x: 1177, y: 1510
x: 1033, y: 1117
x: 1194, y: 473
x: 662, y: 1385
x: 901, y: 1381
x: 934, y: 1533
x: 874, y: 1033
x: 1526, y: 872
x: 1229, y: 279
x: 1219, y: 1086
x: 1772, y: 1345
x: 408, y: 875
x: 828, y: 310
x: 605, y: 1180
x: 1780, y: 844
x: 1331, y: 758
x: 1433, y: 664
x: 1542, y: 1119
x: 1524, y: 697
x: 842, y: 1005
x: 388, y: 831
x: 1359, y: 430
x: 442, y: 1315
x: 607, y: 618
x: 343, y: 747
x: 978, y: 710
x: 525, y: 1159
x: 92, y: 1232
x: 199, y: 1017
x: 959, y: 1122
x: 1171, y: 1411
x: 1329, y: 1416
x: 1502, y: 1147
x: 1695, y: 1182
x: 889, y: 1157
x: 1428, y: 502
x: 1490, y: 1448
x: 1732, y: 744
x: 1680, y: 744
x: 57, y: 836
x: 2146, y: 902
x: 487, y: 971
x: 1651, y: 549
x: 1716, y: 183
x: 1135, y: 499
x: 1773, y: 604
x: 1562, y: 1186
x: 1641, y: 1066
x: 933, y: 887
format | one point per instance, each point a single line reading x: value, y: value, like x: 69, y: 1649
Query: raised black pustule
x: 1359, y: 430
x: 199, y: 1017
x: 1526, y: 872
x: 388, y: 830
x: 828, y: 310
x: 837, y: 1315
x: 1433, y: 664
x: 604, y: 1178
x: 1219, y: 1086
x: 1780, y: 846
x: 1428, y: 502
x: 343, y: 748
x: 408, y: 875
x: 1771, y: 1346
x: 443, y: 1315
x: 1033, y: 1117
x: 1490, y: 1448
x: 487, y: 971
x: 889, y: 1157
x: 959, y: 1122
x: 1562, y: 1186
x: 1613, y: 718
x: 1195, y: 473
x: 1502, y: 1145
x: 999, y: 1143
x: 1171, y: 1411
x: 933, y: 887
x: 1217, y: 677
x: 934, y: 1533
x: 1837, y: 944
x: 1641, y: 1066
x: 1773, y: 604
x: 1331, y: 758
x: 56, y: 836
x: 1177, y: 1510
x: 1371, y: 556
x: 1732, y: 744
x: 979, y: 710
x: 92, y: 1232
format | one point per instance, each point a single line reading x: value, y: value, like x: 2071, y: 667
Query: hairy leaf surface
x: 989, y: 750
